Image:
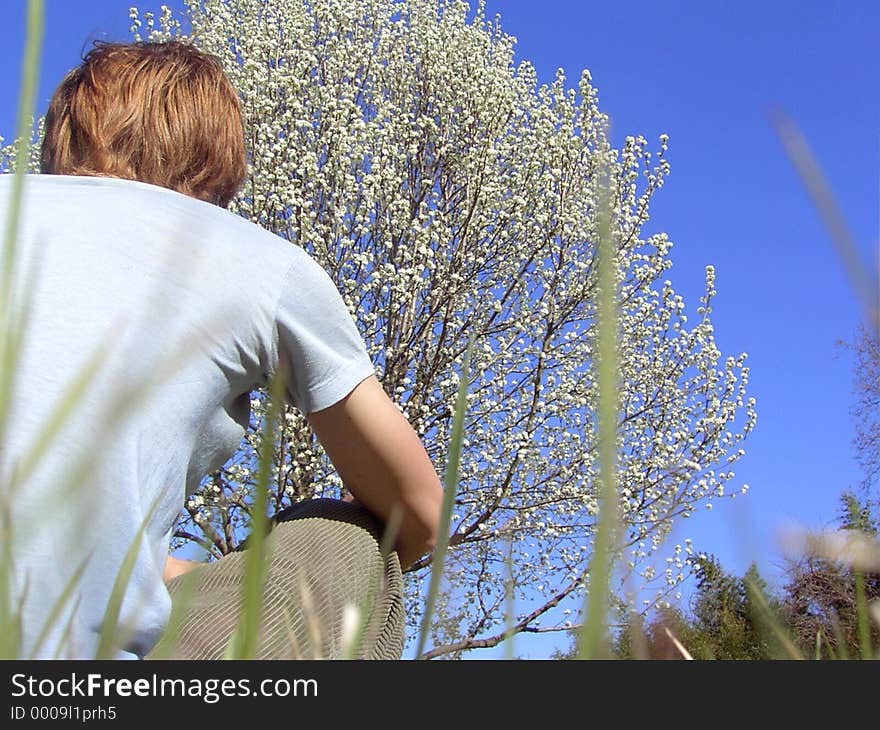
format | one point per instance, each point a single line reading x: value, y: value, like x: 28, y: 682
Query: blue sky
x: 706, y: 74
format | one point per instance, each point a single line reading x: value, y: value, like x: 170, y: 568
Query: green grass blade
x: 11, y: 335
x: 14, y: 328
x: 839, y: 638
x: 831, y: 653
x: 68, y: 628
x: 12, y: 624
x: 6, y: 580
x: 451, y: 488
x: 509, y: 605
x: 593, y: 639
x: 243, y: 644
x: 808, y: 169
x: 862, y: 616
x: 766, y: 620
x: 184, y: 591
x: 109, y: 639
x: 26, y: 101
x: 55, y: 613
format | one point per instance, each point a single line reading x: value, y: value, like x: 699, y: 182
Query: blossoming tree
x: 448, y: 194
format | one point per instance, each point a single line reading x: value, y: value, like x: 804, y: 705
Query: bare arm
x: 383, y: 463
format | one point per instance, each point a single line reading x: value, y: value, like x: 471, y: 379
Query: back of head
x: 161, y: 113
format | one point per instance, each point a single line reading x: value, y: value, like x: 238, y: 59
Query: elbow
x: 432, y: 527
x: 424, y: 527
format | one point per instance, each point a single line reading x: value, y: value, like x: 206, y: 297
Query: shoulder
x: 117, y: 198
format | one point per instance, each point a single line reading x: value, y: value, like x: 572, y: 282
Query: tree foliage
x: 816, y: 608
x: 447, y: 193
x: 722, y: 623
x: 821, y: 593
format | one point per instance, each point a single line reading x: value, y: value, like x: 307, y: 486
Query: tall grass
x: 453, y: 459
x: 593, y: 639
x: 12, y: 321
x: 243, y: 644
x: 865, y: 281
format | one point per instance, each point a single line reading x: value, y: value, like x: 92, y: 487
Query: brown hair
x: 161, y: 113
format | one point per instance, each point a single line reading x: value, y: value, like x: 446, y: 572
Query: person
x: 156, y: 312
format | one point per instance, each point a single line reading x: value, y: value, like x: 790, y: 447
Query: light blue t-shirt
x: 179, y: 308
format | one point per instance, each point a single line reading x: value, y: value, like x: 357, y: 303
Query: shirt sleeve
x: 325, y: 354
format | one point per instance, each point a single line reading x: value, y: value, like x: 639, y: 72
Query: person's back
x: 184, y: 305
x: 129, y: 269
